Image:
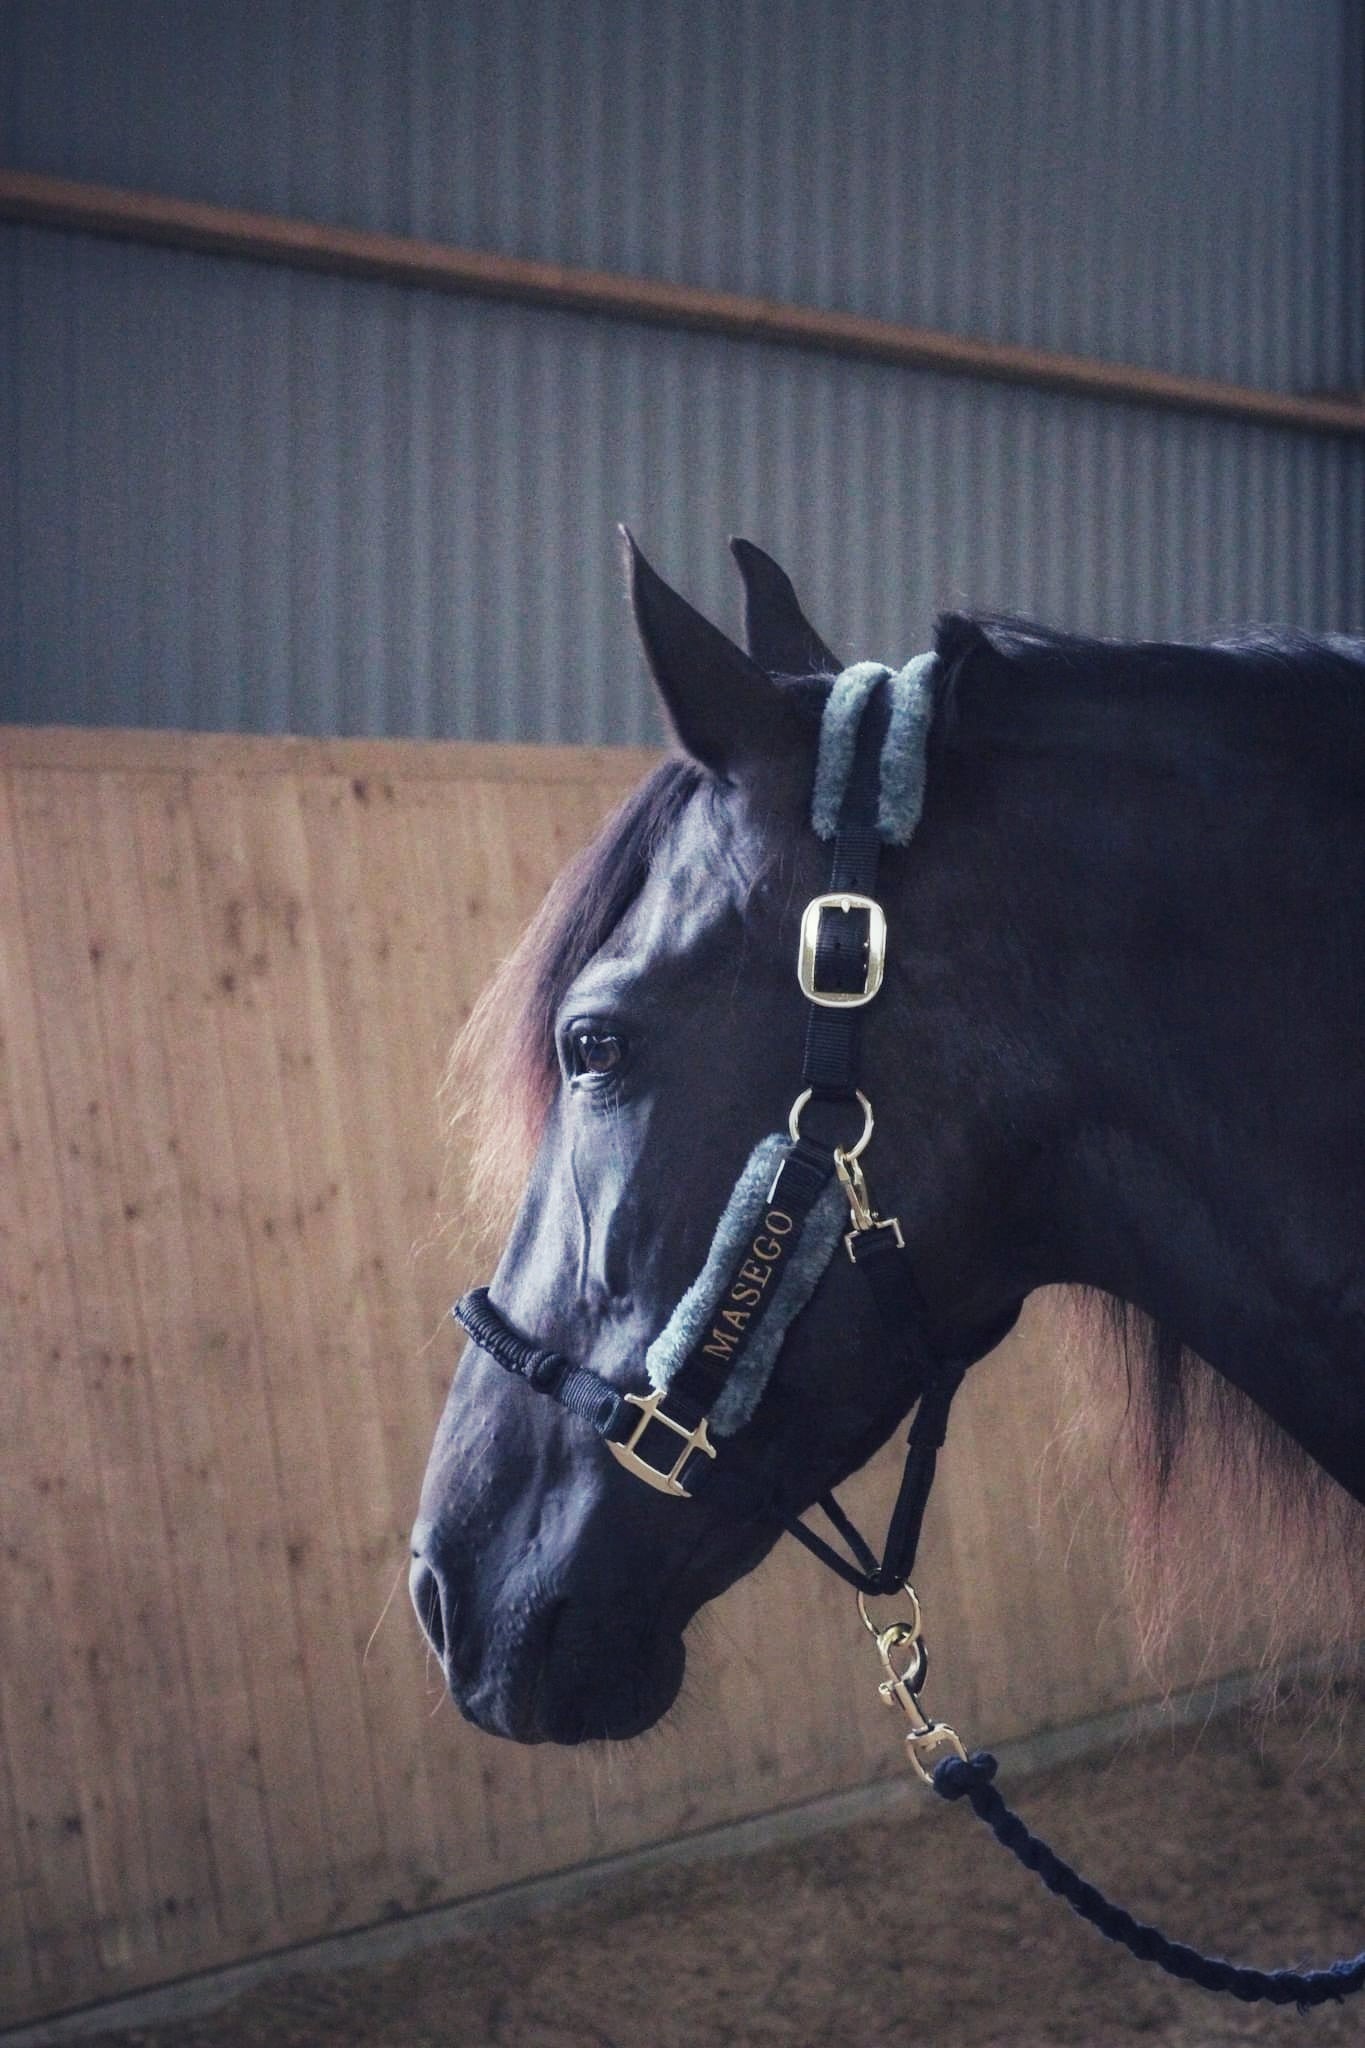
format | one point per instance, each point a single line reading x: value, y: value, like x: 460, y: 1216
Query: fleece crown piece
x: 901, y: 796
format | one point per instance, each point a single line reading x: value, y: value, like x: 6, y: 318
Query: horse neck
x: 1154, y: 919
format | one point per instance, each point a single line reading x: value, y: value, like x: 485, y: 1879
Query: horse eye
x: 597, y: 1052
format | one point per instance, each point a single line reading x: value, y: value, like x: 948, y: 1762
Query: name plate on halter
x: 743, y: 1300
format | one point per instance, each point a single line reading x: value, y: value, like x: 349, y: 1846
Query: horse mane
x: 1297, y: 699
x: 1269, y: 653
x: 1287, y: 1538
x: 1238, y: 1549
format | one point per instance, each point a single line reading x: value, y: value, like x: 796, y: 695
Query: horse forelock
x: 503, y: 1068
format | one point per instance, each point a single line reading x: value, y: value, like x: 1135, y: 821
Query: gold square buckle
x: 842, y: 999
x: 664, y: 1481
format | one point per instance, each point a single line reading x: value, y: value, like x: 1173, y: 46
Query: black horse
x: 1118, y: 1046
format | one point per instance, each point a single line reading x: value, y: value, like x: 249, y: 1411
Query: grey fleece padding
x: 692, y: 1317
x: 848, y: 694
x: 901, y: 796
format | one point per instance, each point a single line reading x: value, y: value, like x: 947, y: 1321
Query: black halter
x: 662, y: 1437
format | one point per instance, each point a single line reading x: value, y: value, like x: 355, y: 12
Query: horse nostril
x: 425, y: 1588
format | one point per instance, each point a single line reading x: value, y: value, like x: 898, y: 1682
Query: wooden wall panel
x: 229, y: 974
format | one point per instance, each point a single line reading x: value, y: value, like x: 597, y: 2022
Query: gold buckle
x: 810, y: 939
x: 692, y: 1440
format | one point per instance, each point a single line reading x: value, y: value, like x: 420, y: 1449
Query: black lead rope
x: 971, y: 1779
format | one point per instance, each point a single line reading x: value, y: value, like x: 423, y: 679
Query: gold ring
x: 913, y: 1625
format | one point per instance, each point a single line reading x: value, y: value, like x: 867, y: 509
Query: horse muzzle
x: 546, y: 1667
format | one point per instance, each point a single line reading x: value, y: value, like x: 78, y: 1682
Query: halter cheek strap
x: 777, y: 1234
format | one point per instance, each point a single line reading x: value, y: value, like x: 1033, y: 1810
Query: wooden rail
x: 399, y: 259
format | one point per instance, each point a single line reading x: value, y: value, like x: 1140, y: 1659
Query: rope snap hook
x: 905, y: 1661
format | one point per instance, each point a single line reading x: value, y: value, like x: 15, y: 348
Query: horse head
x: 658, y: 1004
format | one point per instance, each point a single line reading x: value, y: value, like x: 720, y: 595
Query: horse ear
x: 725, y: 710
x: 780, y: 636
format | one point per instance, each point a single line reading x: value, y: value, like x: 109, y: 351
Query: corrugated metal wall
x: 240, y: 498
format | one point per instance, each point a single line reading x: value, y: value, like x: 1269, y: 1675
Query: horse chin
x: 626, y: 1705
x: 578, y: 1691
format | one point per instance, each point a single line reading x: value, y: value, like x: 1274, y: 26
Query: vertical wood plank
x: 335, y: 1032
x: 253, y: 917
x: 233, y: 1339
x: 115, y: 1581
x: 220, y: 1744
x: 17, y: 1929
x: 44, y: 1870
x: 987, y: 1497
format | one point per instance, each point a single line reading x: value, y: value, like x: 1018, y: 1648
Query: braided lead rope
x: 970, y: 1779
